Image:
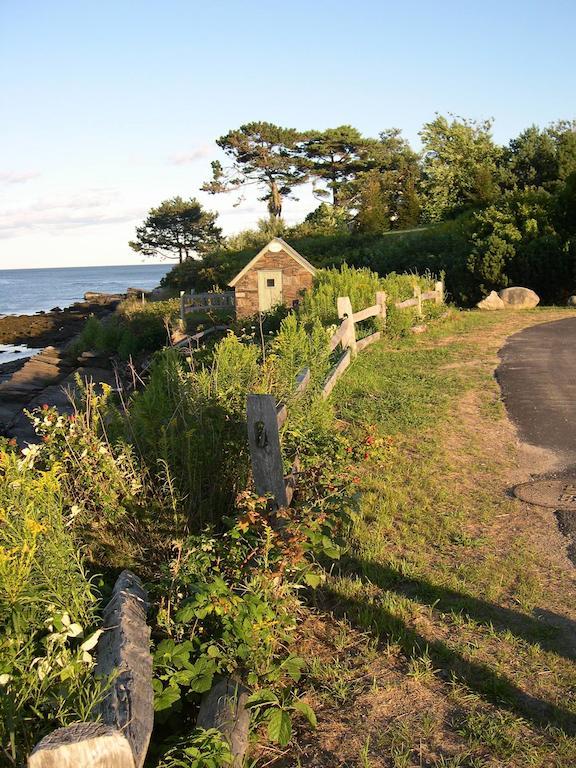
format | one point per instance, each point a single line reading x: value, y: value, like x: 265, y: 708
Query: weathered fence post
x: 439, y: 288
x: 381, y: 301
x: 265, y: 451
x: 344, y: 306
x: 418, y: 297
x: 224, y: 708
x: 182, y: 312
x: 123, y: 652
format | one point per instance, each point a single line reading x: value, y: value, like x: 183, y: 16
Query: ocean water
x: 27, y: 291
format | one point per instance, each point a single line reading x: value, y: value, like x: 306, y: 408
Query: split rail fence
x: 120, y: 738
x: 202, y: 302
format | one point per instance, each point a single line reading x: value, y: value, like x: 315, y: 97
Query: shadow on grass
x: 548, y: 631
x: 478, y: 676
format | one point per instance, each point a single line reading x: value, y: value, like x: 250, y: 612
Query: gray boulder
x: 519, y: 298
x: 571, y: 301
x: 491, y: 302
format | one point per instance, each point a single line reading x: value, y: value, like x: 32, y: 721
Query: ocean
x: 27, y: 291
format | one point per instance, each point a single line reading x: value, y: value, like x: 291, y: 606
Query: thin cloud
x: 17, y: 177
x: 57, y: 216
x: 187, y: 158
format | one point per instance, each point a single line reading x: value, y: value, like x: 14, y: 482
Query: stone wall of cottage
x: 295, y: 280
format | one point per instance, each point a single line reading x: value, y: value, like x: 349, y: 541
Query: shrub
x: 47, y: 609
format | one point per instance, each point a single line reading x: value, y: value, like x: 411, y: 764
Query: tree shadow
x: 478, y: 676
x: 550, y: 631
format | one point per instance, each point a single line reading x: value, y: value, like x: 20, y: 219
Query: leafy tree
x: 532, y: 158
x: 263, y: 155
x: 515, y: 242
x: 460, y: 167
x: 334, y: 157
x: 177, y: 229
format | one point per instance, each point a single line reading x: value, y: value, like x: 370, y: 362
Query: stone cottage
x: 276, y: 275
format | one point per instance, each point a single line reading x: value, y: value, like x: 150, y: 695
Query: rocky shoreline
x: 54, y: 328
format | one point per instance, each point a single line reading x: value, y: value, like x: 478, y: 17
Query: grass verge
x: 446, y: 637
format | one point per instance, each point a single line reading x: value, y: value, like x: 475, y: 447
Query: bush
x: 47, y: 609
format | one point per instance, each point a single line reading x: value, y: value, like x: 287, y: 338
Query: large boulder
x: 519, y: 298
x: 492, y: 301
x: 571, y: 301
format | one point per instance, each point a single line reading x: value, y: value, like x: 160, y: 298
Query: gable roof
x: 284, y: 247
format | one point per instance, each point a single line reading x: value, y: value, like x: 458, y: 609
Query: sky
x: 108, y: 108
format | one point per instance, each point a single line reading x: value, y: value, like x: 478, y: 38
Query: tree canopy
x: 177, y: 229
x: 264, y: 155
x: 460, y: 166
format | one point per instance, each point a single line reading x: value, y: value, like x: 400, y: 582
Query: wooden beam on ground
x: 335, y: 373
x: 367, y: 340
x: 224, y: 708
x: 265, y: 451
x: 124, y: 653
x: 83, y: 745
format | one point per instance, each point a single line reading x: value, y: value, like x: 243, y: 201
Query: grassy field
x: 446, y: 636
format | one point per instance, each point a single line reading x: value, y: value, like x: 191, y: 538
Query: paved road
x: 537, y: 375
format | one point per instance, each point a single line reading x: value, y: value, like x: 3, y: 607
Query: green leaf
x: 313, y: 579
x: 261, y: 697
x: 279, y: 726
x: 293, y: 666
x: 307, y: 711
x: 169, y: 696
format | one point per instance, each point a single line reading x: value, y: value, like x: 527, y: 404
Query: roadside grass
x: 446, y: 581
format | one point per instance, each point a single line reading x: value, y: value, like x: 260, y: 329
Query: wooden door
x: 269, y: 288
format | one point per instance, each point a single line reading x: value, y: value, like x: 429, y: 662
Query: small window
x: 270, y: 282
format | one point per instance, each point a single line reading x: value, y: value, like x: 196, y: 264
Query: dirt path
x: 537, y: 375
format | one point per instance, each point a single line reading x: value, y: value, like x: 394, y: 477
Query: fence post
x: 418, y: 296
x: 265, y: 451
x: 439, y: 288
x: 344, y: 306
x: 381, y: 301
x: 182, y: 312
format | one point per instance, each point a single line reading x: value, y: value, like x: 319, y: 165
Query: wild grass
x: 431, y: 568
x: 47, y: 610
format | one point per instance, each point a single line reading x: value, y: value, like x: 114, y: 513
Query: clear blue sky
x: 107, y: 108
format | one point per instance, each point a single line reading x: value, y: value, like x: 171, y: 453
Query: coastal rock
x: 519, y: 298
x: 571, y: 301
x: 491, y: 302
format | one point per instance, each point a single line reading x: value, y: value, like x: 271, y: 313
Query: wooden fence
x: 265, y: 417
x: 120, y: 738
x: 202, y: 302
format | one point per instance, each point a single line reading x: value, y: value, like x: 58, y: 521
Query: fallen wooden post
x: 367, y: 340
x: 83, y: 745
x: 123, y: 656
x: 124, y: 651
x: 224, y: 708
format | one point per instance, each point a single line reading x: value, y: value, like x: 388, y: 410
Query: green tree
x: 460, y: 166
x: 177, y: 229
x: 334, y: 157
x: 263, y: 155
x: 386, y: 196
x: 532, y: 158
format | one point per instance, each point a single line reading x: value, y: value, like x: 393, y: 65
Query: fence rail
x: 201, y: 302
